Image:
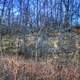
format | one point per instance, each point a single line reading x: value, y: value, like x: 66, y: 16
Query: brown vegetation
x: 18, y: 68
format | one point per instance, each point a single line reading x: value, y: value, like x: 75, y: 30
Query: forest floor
x: 19, y: 68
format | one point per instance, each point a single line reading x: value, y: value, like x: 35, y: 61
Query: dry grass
x: 18, y: 68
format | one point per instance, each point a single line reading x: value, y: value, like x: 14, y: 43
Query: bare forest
x: 39, y: 40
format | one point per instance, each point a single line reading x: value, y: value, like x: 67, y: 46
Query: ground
x: 19, y: 68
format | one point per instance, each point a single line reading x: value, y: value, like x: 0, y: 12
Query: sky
x: 33, y: 11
